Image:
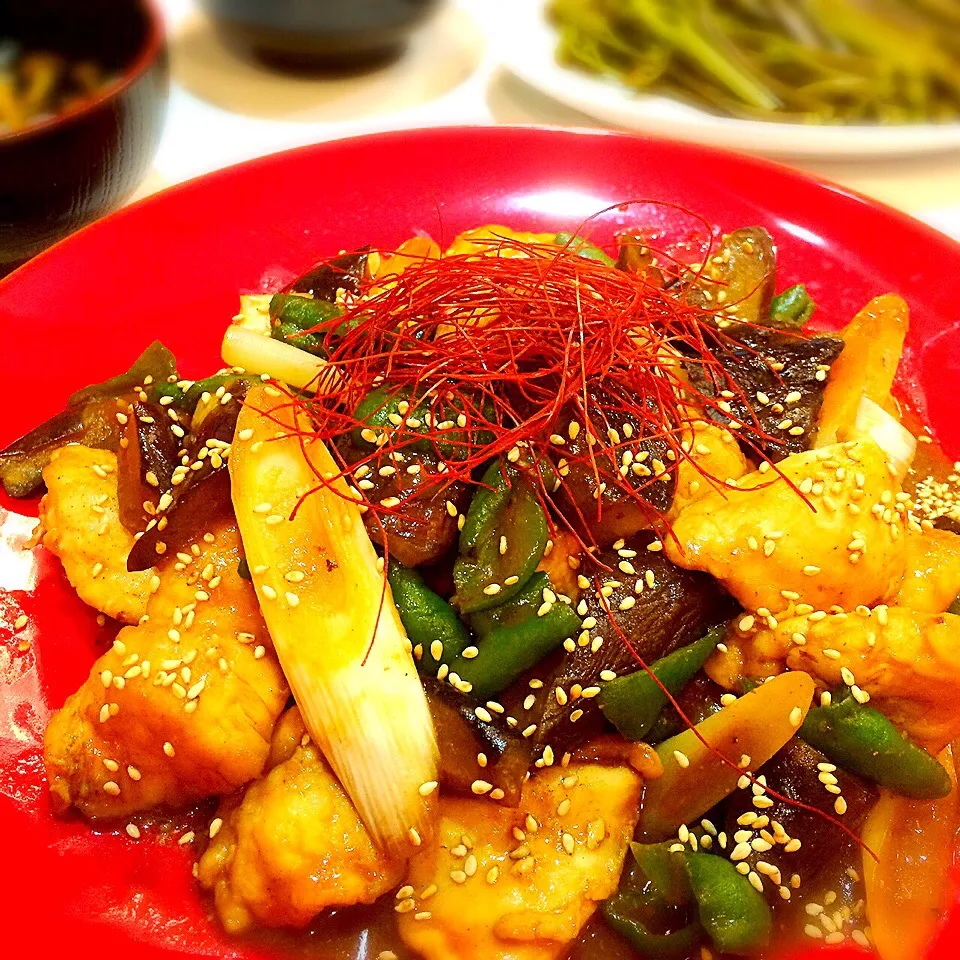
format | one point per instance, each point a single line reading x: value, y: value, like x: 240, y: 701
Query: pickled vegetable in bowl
x: 36, y: 85
x: 535, y: 597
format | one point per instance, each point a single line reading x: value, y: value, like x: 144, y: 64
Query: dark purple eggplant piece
x: 145, y: 462
x: 678, y: 609
x: 794, y: 772
x: 462, y: 736
x: 202, y: 496
x: 740, y: 277
x: 341, y: 273
x: 93, y: 423
x: 777, y: 374
x: 22, y: 462
x: 840, y: 875
x: 89, y: 418
x: 628, y: 502
x: 422, y: 530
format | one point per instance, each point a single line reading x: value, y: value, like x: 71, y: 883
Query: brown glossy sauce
x: 357, y: 933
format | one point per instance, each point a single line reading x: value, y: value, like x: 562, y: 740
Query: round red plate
x: 171, y: 268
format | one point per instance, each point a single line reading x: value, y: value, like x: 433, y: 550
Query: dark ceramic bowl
x: 60, y: 174
x: 333, y: 33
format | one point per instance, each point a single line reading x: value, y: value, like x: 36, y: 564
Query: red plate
x: 172, y: 266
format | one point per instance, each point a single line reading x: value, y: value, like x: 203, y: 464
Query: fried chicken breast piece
x: 183, y: 705
x: 80, y: 517
x: 714, y: 457
x: 293, y: 844
x: 828, y: 529
x: 932, y: 578
x: 907, y: 661
x: 504, y: 895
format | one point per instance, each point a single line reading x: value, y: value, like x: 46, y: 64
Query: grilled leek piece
x: 332, y: 618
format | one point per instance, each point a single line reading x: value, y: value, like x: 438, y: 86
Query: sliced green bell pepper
x: 513, y: 637
x: 633, y: 702
x: 583, y: 248
x: 426, y: 617
x: 291, y: 315
x: 733, y: 914
x: 792, y: 309
x: 380, y: 409
x: 650, y: 898
x: 863, y: 741
x: 502, y: 541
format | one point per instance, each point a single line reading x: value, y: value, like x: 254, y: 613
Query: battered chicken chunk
x: 828, y: 529
x: 293, y: 845
x: 80, y: 516
x: 714, y: 457
x: 183, y: 705
x: 932, y: 579
x: 520, y: 884
x: 906, y: 661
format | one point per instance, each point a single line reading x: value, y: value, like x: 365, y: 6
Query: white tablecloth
x: 225, y: 108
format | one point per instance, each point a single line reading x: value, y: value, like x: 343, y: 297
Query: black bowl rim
x: 145, y: 59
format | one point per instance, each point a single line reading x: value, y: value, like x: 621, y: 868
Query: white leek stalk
x: 888, y: 434
x: 331, y: 618
x: 257, y: 353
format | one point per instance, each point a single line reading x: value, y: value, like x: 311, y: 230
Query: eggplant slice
x: 777, y: 381
x: 674, y: 607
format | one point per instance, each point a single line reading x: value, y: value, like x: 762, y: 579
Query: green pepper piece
x: 633, y: 702
x: 583, y: 248
x: 303, y: 312
x: 862, y: 740
x: 792, y: 309
x: 377, y: 408
x: 426, y: 617
x: 664, y: 870
x: 160, y: 391
x: 512, y: 638
x: 620, y: 913
x: 503, y: 539
x: 650, y: 897
x: 292, y: 314
x: 734, y: 915
x: 208, y: 385
x: 156, y: 362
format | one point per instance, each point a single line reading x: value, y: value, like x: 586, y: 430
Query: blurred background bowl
x: 61, y: 173
x: 320, y: 33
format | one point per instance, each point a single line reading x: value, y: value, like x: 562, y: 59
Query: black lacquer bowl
x: 60, y: 174
x: 320, y: 33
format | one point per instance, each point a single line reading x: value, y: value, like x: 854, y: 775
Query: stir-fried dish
x: 35, y: 85
x: 526, y: 600
x: 814, y: 61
